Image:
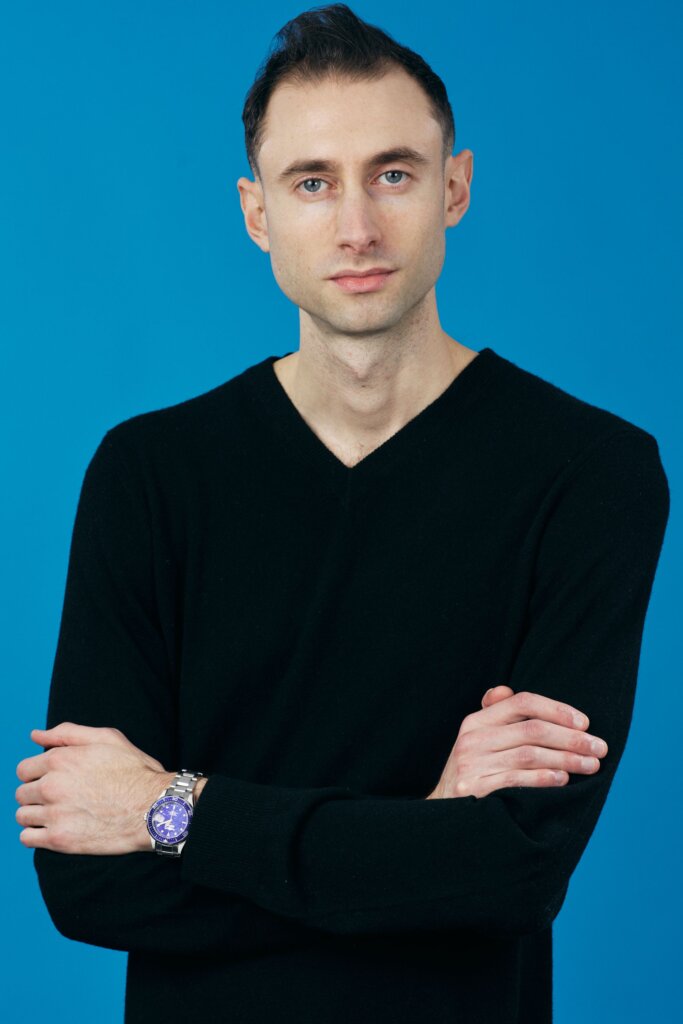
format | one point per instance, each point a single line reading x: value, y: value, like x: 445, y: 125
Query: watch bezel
x: 182, y: 836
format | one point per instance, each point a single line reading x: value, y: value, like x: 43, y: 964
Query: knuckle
x: 461, y: 787
x: 50, y: 787
x: 576, y: 741
x: 522, y: 700
x: 526, y: 755
x: 533, y: 728
x: 464, y: 742
x: 58, y: 839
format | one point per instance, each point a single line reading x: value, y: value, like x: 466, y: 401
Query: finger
x: 32, y: 767
x: 526, y: 704
x: 495, y: 694
x: 70, y: 733
x: 533, y: 778
x: 532, y: 758
x: 29, y: 793
x: 36, y: 837
x: 543, y: 734
x: 32, y: 814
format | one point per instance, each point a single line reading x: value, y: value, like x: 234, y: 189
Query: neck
x: 355, y: 401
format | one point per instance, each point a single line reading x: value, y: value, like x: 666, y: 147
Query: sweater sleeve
x: 112, y: 667
x: 349, y: 863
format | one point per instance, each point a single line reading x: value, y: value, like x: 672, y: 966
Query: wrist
x: 199, y: 787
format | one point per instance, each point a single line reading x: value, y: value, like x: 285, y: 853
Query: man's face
x: 358, y: 214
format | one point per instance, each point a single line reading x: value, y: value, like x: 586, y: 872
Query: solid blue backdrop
x: 129, y: 283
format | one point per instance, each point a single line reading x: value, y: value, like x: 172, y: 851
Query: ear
x: 457, y: 179
x: 254, y: 209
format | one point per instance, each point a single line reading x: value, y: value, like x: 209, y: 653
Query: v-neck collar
x: 303, y: 443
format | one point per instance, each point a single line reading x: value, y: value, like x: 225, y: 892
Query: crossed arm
x: 70, y: 801
x: 267, y: 866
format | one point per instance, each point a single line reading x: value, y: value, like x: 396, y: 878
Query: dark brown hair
x: 333, y: 42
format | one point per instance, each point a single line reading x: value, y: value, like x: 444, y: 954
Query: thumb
x: 495, y: 694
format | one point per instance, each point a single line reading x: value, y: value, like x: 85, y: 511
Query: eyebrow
x: 405, y: 154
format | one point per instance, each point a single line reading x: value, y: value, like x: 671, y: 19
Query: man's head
x: 335, y: 94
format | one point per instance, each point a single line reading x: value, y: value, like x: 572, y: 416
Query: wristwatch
x: 169, y: 817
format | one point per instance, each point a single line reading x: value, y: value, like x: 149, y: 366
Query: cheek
x: 414, y: 230
x: 428, y: 225
x: 293, y: 268
x: 430, y: 236
x: 423, y: 240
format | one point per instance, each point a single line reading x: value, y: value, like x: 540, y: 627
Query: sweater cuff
x: 243, y: 838
x: 225, y: 847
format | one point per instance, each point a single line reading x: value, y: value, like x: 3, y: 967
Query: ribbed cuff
x: 243, y: 836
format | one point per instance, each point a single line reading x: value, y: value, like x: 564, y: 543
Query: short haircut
x: 333, y: 42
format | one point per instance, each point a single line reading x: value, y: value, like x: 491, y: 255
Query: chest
x: 347, y: 636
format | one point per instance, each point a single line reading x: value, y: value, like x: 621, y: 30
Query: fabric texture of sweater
x: 311, y: 636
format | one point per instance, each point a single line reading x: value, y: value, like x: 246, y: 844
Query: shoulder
x: 555, y: 426
x: 175, y: 436
x: 542, y: 444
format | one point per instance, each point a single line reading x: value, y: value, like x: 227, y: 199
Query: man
x: 355, y: 604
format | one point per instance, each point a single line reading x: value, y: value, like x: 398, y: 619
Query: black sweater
x: 311, y: 636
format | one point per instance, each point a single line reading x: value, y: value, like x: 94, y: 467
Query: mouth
x: 370, y: 281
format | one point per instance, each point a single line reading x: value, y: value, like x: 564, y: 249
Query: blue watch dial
x: 169, y: 820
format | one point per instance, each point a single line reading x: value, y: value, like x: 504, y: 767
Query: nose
x: 357, y: 223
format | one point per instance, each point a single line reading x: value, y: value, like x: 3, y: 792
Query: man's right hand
x: 517, y: 739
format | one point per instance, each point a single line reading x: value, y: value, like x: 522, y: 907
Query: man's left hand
x: 88, y: 792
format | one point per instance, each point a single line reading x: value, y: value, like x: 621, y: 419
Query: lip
x: 369, y: 281
x: 363, y: 273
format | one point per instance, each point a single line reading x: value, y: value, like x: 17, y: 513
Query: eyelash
x: 391, y: 171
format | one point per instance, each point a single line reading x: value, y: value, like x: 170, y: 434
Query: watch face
x: 169, y: 820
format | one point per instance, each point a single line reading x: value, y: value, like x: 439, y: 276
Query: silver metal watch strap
x: 183, y: 783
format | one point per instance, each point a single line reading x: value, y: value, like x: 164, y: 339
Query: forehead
x: 312, y: 117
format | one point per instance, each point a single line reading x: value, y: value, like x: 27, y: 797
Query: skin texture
x: 518, y: 739
x: 366, y: 365
x: 88, y: 791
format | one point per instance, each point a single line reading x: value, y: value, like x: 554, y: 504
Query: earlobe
x: 260, y: 238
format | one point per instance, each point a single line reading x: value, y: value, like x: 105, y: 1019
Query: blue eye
x: 317, y: 192
x: 306, y: 182
x: 404, y: 173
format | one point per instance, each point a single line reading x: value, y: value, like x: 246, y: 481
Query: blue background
x: 128, y: 282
